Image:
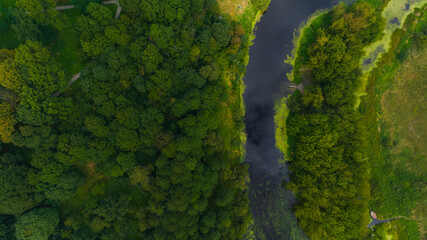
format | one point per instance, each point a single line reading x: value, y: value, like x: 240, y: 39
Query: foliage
x: 16, y: 193
x: 24, y: 26
x: 280, y: 117
x: 327, y: 138
x: 261, y: 5
x: 146, y: 145
x: 43, y: 12
x: 38, y: 224
x: 7, y: 229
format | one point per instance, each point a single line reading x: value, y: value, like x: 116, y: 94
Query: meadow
x: 394, y: 111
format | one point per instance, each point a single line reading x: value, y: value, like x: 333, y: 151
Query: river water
x: 266, y: 81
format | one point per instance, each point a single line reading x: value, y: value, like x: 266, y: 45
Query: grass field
x: 395, y: 109
x: 66, y: 47
x: 405, y: 110
x: 404, y: 137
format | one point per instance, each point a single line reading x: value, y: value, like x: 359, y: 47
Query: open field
x: 405, y: 110
x: 233, y: 8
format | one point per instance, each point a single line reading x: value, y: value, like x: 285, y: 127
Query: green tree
x: 38, y: 224
x: 96, y: 126
x: 313, y: 97
x: 161, y: 35
x: 7, y: 122
x: 7, y: 228
x: 43, y: 12
x: 16, y: 191
x: 24, y: 26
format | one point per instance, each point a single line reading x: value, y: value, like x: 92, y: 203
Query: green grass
x: 113, y: 8
x: 394, y: 111
x: 404, y: 136
x: 66, y: 47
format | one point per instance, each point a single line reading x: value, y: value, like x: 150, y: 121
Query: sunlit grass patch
x: 233, y: 8
x: 113, y: 8
x: 404, y: 119
x: 405, y: 109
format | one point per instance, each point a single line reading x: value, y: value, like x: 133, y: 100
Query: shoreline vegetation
x: 299, y: 36
x: 147, y: 143
x: 335, y: 145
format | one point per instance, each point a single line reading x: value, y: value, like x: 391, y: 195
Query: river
x: 266, y: 81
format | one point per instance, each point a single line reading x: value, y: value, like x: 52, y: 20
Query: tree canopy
x: 145, y: 144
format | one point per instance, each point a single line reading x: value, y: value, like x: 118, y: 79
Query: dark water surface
x: 265, y: 78
x: 266, y: 81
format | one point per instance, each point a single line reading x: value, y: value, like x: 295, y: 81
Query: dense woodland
x: 145, y: 145
x: 327, y: 139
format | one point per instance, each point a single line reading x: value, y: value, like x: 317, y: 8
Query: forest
x: 146, y: 143
x: 326, y: 137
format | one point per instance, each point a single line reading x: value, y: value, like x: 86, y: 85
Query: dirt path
x: 376, y: 221
x: 119, y: 9
x: 75, y: 77
x: 60, y: 8
x: 299, y: 87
